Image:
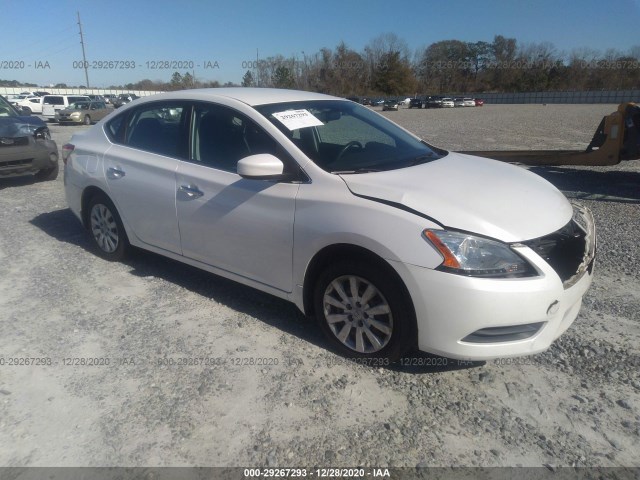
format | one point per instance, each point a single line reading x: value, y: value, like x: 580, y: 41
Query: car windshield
x: 343, y: 137
x: 6, y: 110
x: 79, y: 106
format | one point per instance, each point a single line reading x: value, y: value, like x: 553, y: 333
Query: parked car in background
x: 377, y: 102
x: 15, y: 99
x: 416, y: 103
x: 52, y: 103
x: 433, y: 102
x: 25, y: 145
x: 479, y: 102
x: 458, y: 102
x: 41, y: 93
x: 83, y: 112
x: 109, y: 97
x: 31, y: 104
x: 390, y: 243
x: 447, y: 102
x: 390, y: 105
x: 468, y: 102
x: 404, y: 101
x: 123, y: 99
x: 96, y: 98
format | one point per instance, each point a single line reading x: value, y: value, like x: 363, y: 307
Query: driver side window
x: 222, y: 136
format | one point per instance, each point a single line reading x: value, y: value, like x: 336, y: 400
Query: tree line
x: 386, y: 66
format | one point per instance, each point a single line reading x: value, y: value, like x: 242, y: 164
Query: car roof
x: 250, y: 96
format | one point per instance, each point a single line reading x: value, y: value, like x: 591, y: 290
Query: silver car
x: 83, y: 112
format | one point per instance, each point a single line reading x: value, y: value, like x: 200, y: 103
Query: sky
x: 220, y: 38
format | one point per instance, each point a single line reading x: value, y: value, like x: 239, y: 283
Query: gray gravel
x: 575, y: 405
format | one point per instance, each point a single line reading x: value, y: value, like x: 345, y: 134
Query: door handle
x: 191, y: 191
x: 115, y: 172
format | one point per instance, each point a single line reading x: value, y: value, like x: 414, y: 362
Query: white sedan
x: 389, y: 242
x: 32, y: 103
x: 447, y: 102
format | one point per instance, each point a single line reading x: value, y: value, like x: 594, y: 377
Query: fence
x: 72, y: 91
x: 600, y: 96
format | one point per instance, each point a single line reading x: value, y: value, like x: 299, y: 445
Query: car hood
x: 472, y: 194
x: 14, y: 127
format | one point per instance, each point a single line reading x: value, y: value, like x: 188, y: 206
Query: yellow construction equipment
x: 617, y: 138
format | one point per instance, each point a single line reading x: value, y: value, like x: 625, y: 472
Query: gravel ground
x: 575, y: 405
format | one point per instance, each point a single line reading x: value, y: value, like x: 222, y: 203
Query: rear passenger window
x: 154, y: 128
x: 114, y: 129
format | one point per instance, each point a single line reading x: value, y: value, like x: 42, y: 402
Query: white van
x: 51, y: 103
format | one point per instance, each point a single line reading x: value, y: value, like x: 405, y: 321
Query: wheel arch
x: 88, y: 193
x: 335, y: 252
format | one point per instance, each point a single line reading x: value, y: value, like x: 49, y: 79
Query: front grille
x: 14, y: 167
x: 564, y: 250
x: 14, y: 142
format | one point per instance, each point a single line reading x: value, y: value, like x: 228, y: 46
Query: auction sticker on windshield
x: 295, y: 119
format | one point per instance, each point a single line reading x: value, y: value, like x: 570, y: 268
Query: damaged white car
x: 391, y: 243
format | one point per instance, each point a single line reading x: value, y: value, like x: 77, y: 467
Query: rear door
x: 98, y: 111
x: 51, y: 103
x: 140, y: 170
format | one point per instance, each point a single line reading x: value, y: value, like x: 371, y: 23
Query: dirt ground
x: 154, y: 363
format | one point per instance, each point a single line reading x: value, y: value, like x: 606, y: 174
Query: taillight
x: 67, y: 149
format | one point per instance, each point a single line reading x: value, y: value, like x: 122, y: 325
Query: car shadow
x: 610, y: 186
x: 281, y: 314
x: 21, y: 181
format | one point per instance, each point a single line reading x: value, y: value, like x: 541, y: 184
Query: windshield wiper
x: 422, y: 159
x: 357, y: 170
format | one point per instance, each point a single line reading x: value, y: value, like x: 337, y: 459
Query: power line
x: 47, y: 39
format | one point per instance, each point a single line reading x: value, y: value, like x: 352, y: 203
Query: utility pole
x: 257, y: 70
x: 84, y: 58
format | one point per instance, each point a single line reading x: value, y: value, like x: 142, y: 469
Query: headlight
x: 42, y: 133
x: 75, y: 114
x: 473, y: 256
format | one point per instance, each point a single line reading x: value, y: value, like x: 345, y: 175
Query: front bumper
x: 471, y: 318
x: 69, y: 120
x: 28, y: 158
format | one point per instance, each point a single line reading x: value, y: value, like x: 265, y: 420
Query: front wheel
x: 107, y: 231
x: 363, y: 311
x: 87, y: 120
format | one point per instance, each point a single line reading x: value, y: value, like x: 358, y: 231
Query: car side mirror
x: 262, y: 166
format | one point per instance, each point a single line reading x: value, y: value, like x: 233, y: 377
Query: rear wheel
x: 107, y: 231
x: 87, y: 120
x: 363, y: 312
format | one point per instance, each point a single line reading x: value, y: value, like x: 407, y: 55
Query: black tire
x: 106, y: 229
x: 399, y: 322
x: 47, y: 174
x: 87, y: 120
